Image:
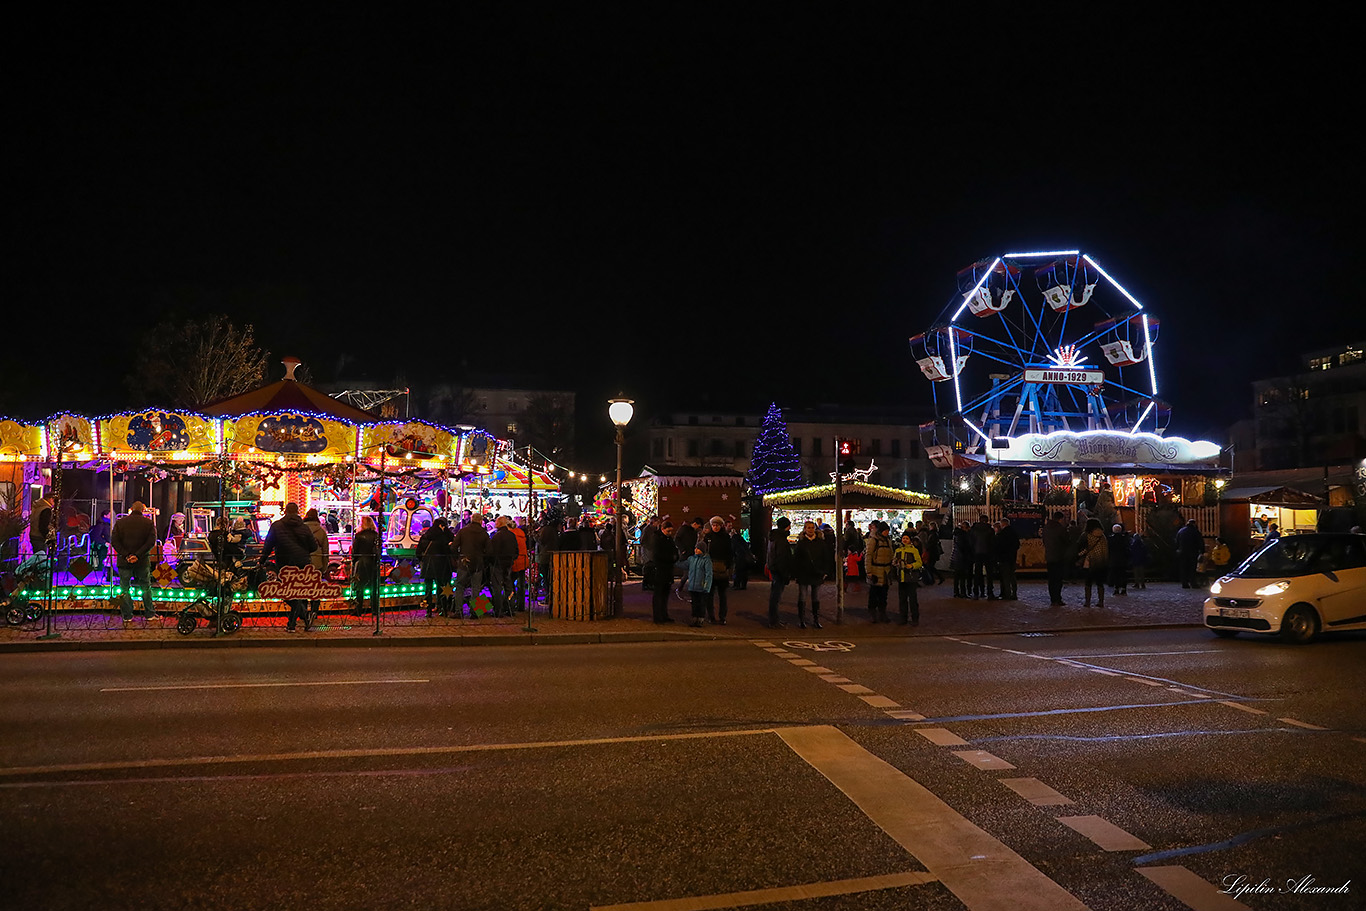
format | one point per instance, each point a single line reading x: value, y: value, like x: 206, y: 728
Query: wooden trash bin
x: 579, y: 585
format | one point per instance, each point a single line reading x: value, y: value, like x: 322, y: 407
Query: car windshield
x: 1293, y: 556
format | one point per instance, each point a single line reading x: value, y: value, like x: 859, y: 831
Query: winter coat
x: 1054, y: 536
x: 685, y: 538
x: 520, y: 563
x: 436, y: 542
x: 664, y: 554
x: 960, y: 558
x: 880, y: 558
x: 291, y: 542
x: 1094, y: 551
x: 99, y: 533
x: 718, y: 547
x: 365, y: 543
x: 1119, y: 550
x: 983, y: 537
x: 473, y: 543
x: 812, y: 560
x: 134, y: 536
x: 649, y: 535
x: 1007, y: 545
x: 699, y: 573
x: 1189, y: 541
x: 1138, y: 550
x: 781, y: 560
x: 319, y: 556
x: 908, y: 562
x: 503, y: 548
x: 740, y: 548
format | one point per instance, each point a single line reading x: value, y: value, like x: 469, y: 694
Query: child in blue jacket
x: 699, y: 583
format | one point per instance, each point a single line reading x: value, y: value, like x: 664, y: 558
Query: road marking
x: 982, y: 872
x: 783, y: 653
x: 1240, y: 707
x: 1100, y: 708
x: 835, y: 678
x: 982, y: 759
x: 781, y: 894
x: 1199, y: 651
x: 1302, y: 724
x: 1035, y: 791
x: 1181, y: 692
x: 801, y: 662
x: 365, y: 753
x: 1101, y: 670
x: 881, y: 702
x: 853, y: 687
x: 817, y: 669
x: 1104, y: 833
x: 237, y: 686
x: 941, y: 737
x: 1185, y: 886
x: 906, y: 715
x: 761, y: 644
x: 1145, y: 682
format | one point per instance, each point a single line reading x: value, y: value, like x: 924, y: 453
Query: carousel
x: 243, y: 459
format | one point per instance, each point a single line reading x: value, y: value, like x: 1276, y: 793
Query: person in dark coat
x: 503, y: 551
x: 1055, y: 556
x: 436, y: 550
x: 473, y: 544
x: 960, y: 559
x: 685, y: 539
x: 1119, y: 560
x: 983, y: 568
x: 648, y: 570
x: 781, y: 565
x: 1006, y: 546
x: 1138, y: 559
x: 1190, y: 546
x: 99, y: 542
x: 743, y: 559
x: 292, y: 543
x: 664, y: 555
x: 133, y: 538
x: 364, y: 570
x: 812, y: 565
x: 722, y: 562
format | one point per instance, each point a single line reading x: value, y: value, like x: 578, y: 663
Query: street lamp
x: 619, y: 410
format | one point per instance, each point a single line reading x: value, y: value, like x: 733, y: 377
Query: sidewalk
x: 1161, y: 604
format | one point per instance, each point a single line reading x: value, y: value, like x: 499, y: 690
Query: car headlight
x: 1215, y: 589
x: 1275, y: 588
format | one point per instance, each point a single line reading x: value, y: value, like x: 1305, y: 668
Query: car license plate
x: 1234, y: 612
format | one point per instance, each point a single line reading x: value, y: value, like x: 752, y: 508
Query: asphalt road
x: 1001, y: 771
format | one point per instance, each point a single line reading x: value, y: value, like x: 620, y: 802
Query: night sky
x: 703, y: 213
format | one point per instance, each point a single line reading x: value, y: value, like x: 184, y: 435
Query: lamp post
x: 619, y: 410
x: 989, y: 479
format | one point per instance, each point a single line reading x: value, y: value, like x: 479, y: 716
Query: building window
x: 693, y: 449
x: 514, y: 405
x: 740, y: 449
x: 716, y: 447
x: 671, y: 448
x: 815, y: 446
x: 1351, y: 356
x: 740, y: 421
x: 657, y: 447
x: 914, y: 451
x: 797, y: 445
x: 896, y: 449
x: 716, y: 418
x: 875, y: 447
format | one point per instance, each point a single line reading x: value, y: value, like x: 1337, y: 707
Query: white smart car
x: 1297, y: 586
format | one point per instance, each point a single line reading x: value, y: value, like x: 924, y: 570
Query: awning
x: 1271, y: 496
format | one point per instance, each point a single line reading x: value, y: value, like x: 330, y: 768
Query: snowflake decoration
x: 725, y: 496
x: 687, y: 509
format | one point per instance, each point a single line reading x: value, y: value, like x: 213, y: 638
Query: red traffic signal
x: 850, y: 447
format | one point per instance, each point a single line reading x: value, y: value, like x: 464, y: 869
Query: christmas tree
x: 774, y: 465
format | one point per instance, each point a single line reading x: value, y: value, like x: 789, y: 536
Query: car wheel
x: 1225, y: 633
x: 1299, y: 625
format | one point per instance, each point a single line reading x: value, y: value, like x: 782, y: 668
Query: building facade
x: 1316, y: 416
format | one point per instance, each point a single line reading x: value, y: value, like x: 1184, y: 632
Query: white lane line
x: 1198, y: 651
x: 1178, y: 690
x: 1101, y: 670
x: 1145, y: 682
x: 941, y: 737
x: 801, y: 662
x: 1104, y: 833
x: 761, y: 644
x: 982, y: 759
x: 238, y: 686
x: 1035, y: 791
x: 835, y: 678
x: 908, y: 715
x: 1240, y: 707
x: 979, y: 870
x: 786, y: 654
x: 881, y: 702
x: 363, y: 753
x: 1302, y: 724
x: 854, y: 688
x: 780, y: 894
x: 1185, y: 886
x: 817, y: 669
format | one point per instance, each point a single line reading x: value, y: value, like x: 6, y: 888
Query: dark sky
x: 695, y: 211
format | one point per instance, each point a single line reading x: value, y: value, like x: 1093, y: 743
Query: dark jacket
x: 960, y: 558
x: 291, y: 542
x: 1054, y: 542
x: 503, y: 547
x: 812, y: 560
x: 664, y: 553
x: 722, y: 557
x: 686, y: 539
x: 99, y: 533
x: 1138, y: 550
x: 1007, y: 545
x: 134, y: 535
x: 436, y: 542
x: 1189, y: 541
x: 365, y: 543
x: 740, y: 548
x: 1119, y: 550
x: 781, y: 561
x: 473, y: 543
x: 983, y: 536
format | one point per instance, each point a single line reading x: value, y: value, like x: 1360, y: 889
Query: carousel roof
x: 853, y: 495
x: 288, y: 394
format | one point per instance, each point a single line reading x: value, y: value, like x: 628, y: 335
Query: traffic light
x: 847, y: 450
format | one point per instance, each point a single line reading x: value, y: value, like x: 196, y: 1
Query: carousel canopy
x: 853, y: 495
x: 288, y: 394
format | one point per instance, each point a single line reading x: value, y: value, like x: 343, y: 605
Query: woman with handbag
x: 1093, y: 552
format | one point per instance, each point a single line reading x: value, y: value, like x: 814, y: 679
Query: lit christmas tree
x: 774, y: 465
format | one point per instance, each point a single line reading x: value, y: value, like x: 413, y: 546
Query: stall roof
x: 1271, y: 496
x: 854, y: 495
x: 690, y: 476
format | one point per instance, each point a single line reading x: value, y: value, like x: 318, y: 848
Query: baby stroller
x: 17, y: 587
x: 219, y: 586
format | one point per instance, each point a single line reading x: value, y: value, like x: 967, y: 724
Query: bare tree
x: 189, y: 364
x: 548, y: 425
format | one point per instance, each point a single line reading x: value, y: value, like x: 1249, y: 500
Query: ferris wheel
x: 1036, y: 343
